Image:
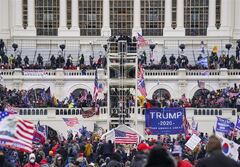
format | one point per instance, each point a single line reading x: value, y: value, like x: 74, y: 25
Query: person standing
x: 216, y: 157
x: 32, y: 162
x: 3, y: 161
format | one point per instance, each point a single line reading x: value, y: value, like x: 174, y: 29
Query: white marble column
x: 236, y: 32
x: 180, y: 30
x: 136, y: 18
x: 31, y: 30
x: 168, y: 18
x: 62, y: 30
x: 225, y: 28
x: 106, y: 31
x: 211, y: 18
x: 74, y: 31
x: 4, y: 21
x: 18, y: 18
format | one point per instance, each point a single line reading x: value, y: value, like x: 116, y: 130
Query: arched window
x: 201, y: 92
x: 78, y: 92
x: 196, y: 17
x: 161, y: 94
x: 47, y: 17
x: 121, y: 17
x: 152, y: 17
x: 90, y: 17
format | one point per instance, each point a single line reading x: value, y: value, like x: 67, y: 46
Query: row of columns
x: 226, y: 28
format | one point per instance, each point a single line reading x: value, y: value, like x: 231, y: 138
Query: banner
x: 229, y: 148
x: 165, y: 121
x: 224, y: 125
x: 31, y: 72
x: 238, y: 124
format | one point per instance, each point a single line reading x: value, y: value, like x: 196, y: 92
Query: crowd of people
x: 81, y: 150
x: 11, y: 62
x: 215, y: 61
x: 222, y: 98
x: 43, y: 98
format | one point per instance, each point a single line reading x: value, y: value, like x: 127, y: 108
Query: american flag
x: 16, y: 133
x: 141, y: 87
x: 195, y: 127
x: 100, y: 87
x: 84, y: 96
x: 71, y: 121
x: 141, y: 42
x: 95, y: 93
x: 141, y: 82
x: 186, y: 124
x: 125, y: 137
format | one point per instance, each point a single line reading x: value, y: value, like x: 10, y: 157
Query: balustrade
x: 149, y: 73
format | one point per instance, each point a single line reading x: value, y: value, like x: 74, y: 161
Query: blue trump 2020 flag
x: 224, y: 125
x: 164, y: 120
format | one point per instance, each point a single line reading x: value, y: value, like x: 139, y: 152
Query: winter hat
x: 32, y: 156
x: 143, y: 146
x: 43, y: 162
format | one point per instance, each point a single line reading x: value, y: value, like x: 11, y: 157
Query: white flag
x: 229, y: 148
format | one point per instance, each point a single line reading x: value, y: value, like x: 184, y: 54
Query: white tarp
x: 111, y: 134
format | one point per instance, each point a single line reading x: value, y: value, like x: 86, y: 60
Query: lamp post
x: 15, y: 46
x: 151, y: 46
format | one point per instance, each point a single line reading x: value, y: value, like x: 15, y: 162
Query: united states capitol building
x: 84, y: 28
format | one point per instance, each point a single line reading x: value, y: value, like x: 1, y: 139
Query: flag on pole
x: 100, y: 87
x: 84, y: 96
x: 125, y: 137
x: 229, y: 148
x: 141, y: 42
x: 71, y: 121
x: 141, y: 82
x: 186, y: 124
x: 15, y: 133
x: 195, y: 127
x: 95, y: 92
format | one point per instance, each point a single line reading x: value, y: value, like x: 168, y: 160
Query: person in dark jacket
x: 216, y: 157
x: 159, y: 157
x: 26, y: 61
x: 115, y: 161
x: 108, y: 149
x: 3, y: 161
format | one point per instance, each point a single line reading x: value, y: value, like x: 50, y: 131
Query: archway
x: 161, y: 94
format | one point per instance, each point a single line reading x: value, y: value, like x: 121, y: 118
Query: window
x: 218, y: 13
x: 90, y: 17
x: 174, y: 14
x: 196, y: 17
x: 161, y: 94
x: 25, y: 13
x: 121, y: 17
x: 152, y: 17
x: 47, y: 17
x: 69, y: 14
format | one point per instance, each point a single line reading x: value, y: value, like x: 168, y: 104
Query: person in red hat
x: 140, y: 158
x: 44, y: 163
